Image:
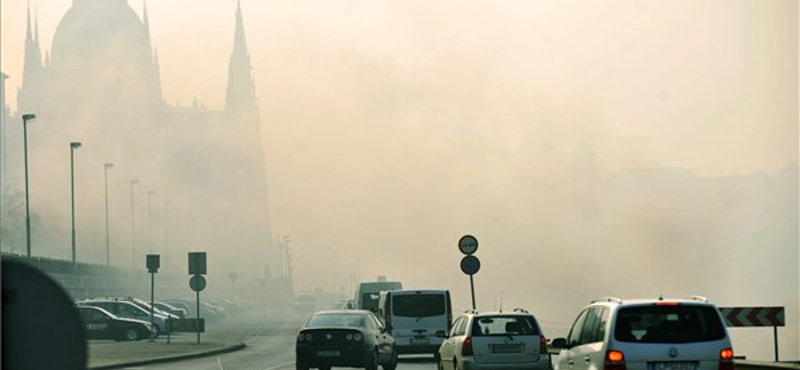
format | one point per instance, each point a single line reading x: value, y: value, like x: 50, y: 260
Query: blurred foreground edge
x: 41, y: 329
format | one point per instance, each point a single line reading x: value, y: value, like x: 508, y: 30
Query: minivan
x: 367, y: 295
x: 417, y: 319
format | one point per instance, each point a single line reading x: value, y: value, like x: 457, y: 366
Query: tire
x: 373, y: 364
x: 392, y: 364
x: 300, y: 366
x: 324, y: 368
x: 131, y: 334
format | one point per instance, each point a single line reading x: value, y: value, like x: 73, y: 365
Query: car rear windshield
x: 668, y: 324
x: 336, y: 319
x: 504, y: 326
x: 418, y: 305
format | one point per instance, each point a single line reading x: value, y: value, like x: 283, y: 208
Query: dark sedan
x: 101, y: 324
x: 350, y: 338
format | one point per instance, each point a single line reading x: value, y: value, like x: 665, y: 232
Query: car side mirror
x: 558, y: 343
x: 441, y: 334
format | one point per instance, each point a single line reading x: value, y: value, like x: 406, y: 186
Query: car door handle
x: 570, y: 362
x: 587, y: 359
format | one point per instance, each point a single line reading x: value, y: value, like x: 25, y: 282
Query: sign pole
x: 198, y: 316
x: 775, y: 333
x: 152, y: 298
x: 472, y: 288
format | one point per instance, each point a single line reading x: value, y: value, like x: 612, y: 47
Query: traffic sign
x: 753, y: 316
x: 197, y: 263
x: 470, y: 265
x: 468, y: 244
x: 197, y: 283
x: 153, y: 263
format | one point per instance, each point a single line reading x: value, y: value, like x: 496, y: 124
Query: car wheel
x: 392, y: 364
x: 300, y: 366
x: 131, y: 334
x: 373, y: 361
x: 324, y: 368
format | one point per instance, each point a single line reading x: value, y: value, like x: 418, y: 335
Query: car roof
x: 615, y: 302
x: 416, y: 291
x: 328, y: 312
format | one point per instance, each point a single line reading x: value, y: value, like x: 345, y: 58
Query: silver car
x: 495, y: 341
x: 647, y: 334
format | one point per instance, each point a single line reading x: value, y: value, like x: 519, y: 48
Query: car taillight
x: 466, y: 348
x: 726, y: 359
x: 300, y: 337
x: 358, y: 337
x: 542, y: 345
x: 615, y: 360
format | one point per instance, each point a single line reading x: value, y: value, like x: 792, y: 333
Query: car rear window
x: 504, y: 326
x: 668, y: 324
x: 418, y: 305
x: 322, y: 320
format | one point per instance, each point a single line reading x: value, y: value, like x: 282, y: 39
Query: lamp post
x: 72, y: 146
x: 25, y: 119
x: 150, y: 218
x: 133, y: 228
x: 106, y: 167
x: 166, y: 233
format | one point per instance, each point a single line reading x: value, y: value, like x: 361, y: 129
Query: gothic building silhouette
x: 100, y: 84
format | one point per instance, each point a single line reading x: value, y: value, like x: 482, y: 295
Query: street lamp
x: 72, y: 146
x: 106, y: 167
x: 25, y: 119
x: 150, y: 218
x: 166, y: 232
x: 133, y: 228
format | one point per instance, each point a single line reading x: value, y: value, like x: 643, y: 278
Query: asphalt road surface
x: 269, y: 347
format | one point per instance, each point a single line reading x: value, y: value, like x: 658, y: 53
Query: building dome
x: 100, y: 29
x: 101, y: 51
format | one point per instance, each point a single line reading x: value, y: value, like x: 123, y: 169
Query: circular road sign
x: 197, y: 283
x: 468, y: 244
x: 470, y: 265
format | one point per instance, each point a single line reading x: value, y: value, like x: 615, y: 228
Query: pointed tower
x: 240, y: 97
x: 32, y: 67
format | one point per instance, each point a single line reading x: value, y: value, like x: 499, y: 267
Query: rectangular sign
x: 186, y: 325
x: 197, y: 263
x: 153, y: 263
x: 753, y: 316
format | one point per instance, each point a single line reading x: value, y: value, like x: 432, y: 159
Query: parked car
x: 647, y: 334
x: 414, y: 317
x: 101, y: 324
x: 179, y: 312
x: 128, y: 310
x: 351, y: 338
x: 139, y: 302
x: 495, y: 341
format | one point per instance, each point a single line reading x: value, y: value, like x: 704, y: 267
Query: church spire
x: 240, y: 96
x: 32, y: 67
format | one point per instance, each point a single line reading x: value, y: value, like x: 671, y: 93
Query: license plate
x: 420, y: 341
x: 674, y: 365
x: 329, y: 353
x: 507, y: 348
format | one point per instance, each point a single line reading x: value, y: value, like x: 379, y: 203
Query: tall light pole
x: 106, y: 167
x: 133, y: 228
x: 25, y: 119
x: 72, y: 146
x: 166, y: 233
x: 150, y: 218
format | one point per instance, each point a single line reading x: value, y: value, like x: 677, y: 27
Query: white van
x: 367, y: 295
x: 417, y: 319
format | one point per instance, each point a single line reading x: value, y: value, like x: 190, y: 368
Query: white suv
x: 496, y: 341
x: 646, y: 334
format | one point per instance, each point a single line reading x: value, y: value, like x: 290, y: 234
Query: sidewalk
x: 114, y: 355
x: 220, y: 337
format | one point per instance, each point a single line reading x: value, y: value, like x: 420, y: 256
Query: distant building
x: 100, y: 84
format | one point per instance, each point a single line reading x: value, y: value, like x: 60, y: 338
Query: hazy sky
x: 701, y: 85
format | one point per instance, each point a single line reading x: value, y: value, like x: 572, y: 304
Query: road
x: 269, y: 347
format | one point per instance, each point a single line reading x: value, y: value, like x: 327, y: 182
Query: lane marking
x: 219, y: 362
x: 280, y: 366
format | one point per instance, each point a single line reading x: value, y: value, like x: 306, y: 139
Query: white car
x: 413, y: 317
x: 646, y: 334
x: 495, y: 341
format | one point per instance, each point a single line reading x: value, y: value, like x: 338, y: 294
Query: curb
x: 187, y: 356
